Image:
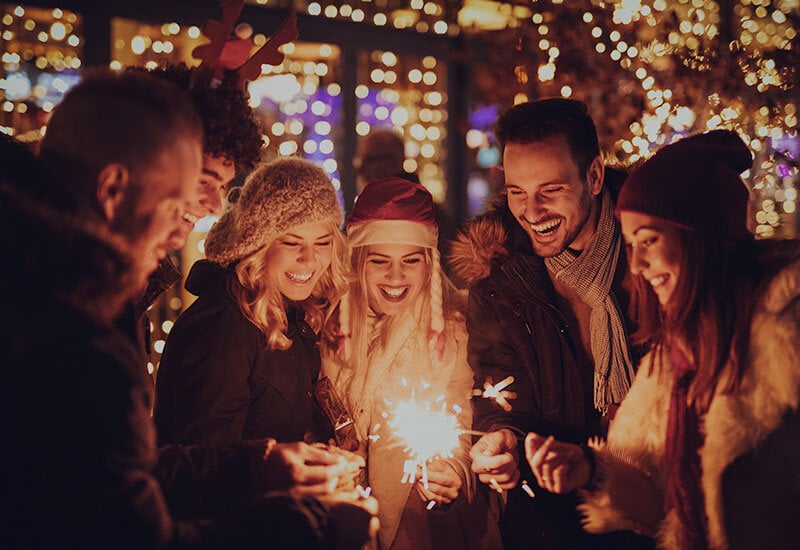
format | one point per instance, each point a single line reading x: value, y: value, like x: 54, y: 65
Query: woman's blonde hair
x: 262, y: 303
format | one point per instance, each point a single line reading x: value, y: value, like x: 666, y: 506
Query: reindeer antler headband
x: 219, y: 32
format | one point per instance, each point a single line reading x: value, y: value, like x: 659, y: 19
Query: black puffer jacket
x: 515, y: 328
x: 219, y: 385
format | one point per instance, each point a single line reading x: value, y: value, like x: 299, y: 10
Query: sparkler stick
x: 527, y: 489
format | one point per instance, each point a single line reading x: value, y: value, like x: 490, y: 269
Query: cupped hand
x: 495, y: 458
x: 444, y: 483
x: 302, y: 469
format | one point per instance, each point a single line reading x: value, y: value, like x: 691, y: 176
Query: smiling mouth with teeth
x: 547, y: 227
x: 299, y: 277
x: 393, y: 294
x: 658, y: 281
x: 190, y: 218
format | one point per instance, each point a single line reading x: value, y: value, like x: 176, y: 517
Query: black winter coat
x: 515, y: 328
x: 218, y: 384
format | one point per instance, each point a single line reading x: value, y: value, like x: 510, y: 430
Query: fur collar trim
x: 736, y: 424
x: 480, y: 243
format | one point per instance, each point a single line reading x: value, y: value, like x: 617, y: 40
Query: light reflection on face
x: 297, y: 259
x: 394, y: 274
x: 653, y: 252
x: 548, y: 197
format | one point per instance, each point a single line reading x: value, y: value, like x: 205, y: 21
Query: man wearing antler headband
x: 231, y: 146
x: 232, y: 138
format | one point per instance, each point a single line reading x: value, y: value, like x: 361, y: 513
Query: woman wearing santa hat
x: 703, y: 452
x: 403, y: 338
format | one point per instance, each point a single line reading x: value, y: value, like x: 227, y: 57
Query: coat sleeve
x: 492, y: 357
x: 203, y: 387
x: 629, y: 485
x: 199, y: 481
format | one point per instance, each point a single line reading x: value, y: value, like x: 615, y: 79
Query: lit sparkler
x: 427, y: 430
x: 498, y: 392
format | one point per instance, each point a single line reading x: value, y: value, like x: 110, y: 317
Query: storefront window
x: 408, y: 94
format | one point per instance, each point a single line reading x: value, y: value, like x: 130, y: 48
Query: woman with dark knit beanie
x: 705, y: 449
x: 241, y: 362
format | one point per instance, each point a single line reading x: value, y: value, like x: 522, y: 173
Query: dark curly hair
x: 229, y: 126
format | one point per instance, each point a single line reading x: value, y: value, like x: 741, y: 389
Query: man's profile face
x: 162, y: 191
x: 213, y: 183
x: 548, y: 197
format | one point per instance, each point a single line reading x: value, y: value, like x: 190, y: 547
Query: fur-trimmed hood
x: 481, y: 242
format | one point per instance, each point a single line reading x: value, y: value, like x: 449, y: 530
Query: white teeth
x: 299, y: 277
x: 546, y: 226
x: 393, y: 292
x: 658, y: 281
x: 190, y: 218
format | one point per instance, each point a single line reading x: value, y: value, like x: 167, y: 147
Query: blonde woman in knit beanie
x: 401, y: 332
x: 703, y: 452
x: 241, y: 361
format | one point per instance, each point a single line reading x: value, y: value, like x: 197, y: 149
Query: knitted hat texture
x: 393, y: 210
x: 275, y: 198
x: 694, y: 184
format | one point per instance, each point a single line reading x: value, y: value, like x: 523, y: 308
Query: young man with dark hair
x: 545, y: 266
x: 231, y: 138
x: 231, y: 147
x: 127, y: 150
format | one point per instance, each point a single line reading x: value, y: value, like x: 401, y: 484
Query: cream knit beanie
x: 275, y: 198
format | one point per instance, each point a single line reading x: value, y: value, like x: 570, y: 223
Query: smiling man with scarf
x: 545, y: 266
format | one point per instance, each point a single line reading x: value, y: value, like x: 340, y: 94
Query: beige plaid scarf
x: 590, y: 275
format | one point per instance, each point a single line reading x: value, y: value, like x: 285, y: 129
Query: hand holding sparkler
x: 558, y: 467
x: 427, y: 431
x: 495, y: 458
x: 444, y: 483
x: 302, y: 469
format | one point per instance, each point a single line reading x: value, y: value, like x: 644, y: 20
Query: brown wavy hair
x: 714, y: 299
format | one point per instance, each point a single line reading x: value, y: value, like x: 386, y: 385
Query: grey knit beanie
x: 275, y: 198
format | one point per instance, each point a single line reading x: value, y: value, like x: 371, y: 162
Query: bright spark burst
x: 498, y: 392
x: 428, y: 432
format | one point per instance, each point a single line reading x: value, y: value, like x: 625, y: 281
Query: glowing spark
x: 427, y: 431
x: 498, y: 392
